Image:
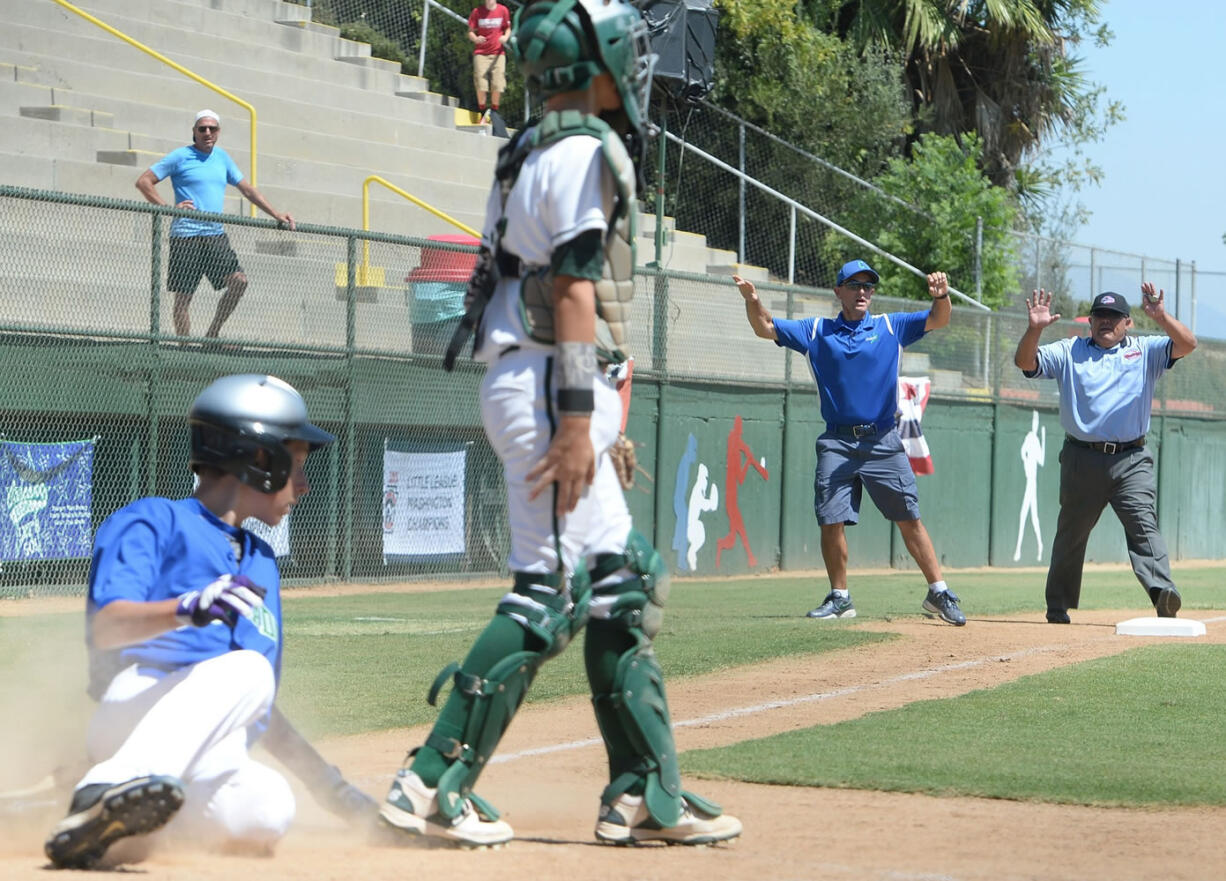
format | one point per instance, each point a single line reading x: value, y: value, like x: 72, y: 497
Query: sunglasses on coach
x: 859, y: 285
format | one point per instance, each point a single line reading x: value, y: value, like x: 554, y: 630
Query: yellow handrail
x: 180, y: 68
x: 366, y: 275
x: 364, y: 269
x: 374, y: 178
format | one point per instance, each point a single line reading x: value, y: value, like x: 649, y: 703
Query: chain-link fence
x: 759, y: 200
x: 96, y: 382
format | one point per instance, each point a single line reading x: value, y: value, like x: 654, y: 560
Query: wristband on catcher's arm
x: 576, y: 377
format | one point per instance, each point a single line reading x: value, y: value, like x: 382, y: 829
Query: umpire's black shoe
x: 1168, y: 602
x: 103, y: 813
x: 1057, y: 616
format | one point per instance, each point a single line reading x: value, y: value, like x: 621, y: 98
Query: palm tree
x: 1001, y: 68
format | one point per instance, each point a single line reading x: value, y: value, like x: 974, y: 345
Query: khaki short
x: 495, y: 68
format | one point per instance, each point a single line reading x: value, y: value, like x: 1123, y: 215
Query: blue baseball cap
x: 852, y: 267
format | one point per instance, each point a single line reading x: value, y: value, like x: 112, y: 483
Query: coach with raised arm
x: 854, y: 358
x: 1106, y: 383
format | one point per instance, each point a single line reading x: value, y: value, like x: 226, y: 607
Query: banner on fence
x: 47, y: 493
x: 913, y: 392
x: 423, y: 503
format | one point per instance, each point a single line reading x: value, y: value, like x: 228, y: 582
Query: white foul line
x: 790, y: 702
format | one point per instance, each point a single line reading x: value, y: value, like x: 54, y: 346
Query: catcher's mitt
x: 625, y: 460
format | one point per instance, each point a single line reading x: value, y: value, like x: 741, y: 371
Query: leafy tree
x: 1000, y: 68
x: 944, y: 177
x: 777, y: 71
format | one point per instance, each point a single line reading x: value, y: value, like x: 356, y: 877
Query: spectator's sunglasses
x: 207, y: 128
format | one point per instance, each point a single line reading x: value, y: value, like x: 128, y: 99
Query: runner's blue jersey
x: 157, y: 549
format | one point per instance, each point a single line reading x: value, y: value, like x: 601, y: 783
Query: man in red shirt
x: 489, y: 27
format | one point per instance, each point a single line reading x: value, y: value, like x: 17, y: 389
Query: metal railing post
x: 1177, y: 297
x: 740, y: 253
x: 1192, y: 298
x: 792, y: 247
x: 979, y: 258
x: 425, y: 30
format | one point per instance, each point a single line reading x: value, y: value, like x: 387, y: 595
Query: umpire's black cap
x: 1109, y: 301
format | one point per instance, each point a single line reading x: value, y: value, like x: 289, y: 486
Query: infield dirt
x: 790, y: 832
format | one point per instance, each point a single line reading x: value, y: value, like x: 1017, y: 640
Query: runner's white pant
x: 192, y: 724
x: 513, y: 410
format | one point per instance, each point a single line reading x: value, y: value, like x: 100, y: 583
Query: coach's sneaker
x: 627, y: 821
x: 1167, y: 603
x: 834, y: 606
x: 103, y: 813
x: 412, y: 807
x: 944, y: 605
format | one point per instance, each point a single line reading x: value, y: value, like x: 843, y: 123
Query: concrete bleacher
x: 83, y: 112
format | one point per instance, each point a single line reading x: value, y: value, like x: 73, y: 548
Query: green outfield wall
x: 94, y: 391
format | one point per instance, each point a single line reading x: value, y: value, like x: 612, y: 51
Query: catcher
x: 183, y: 624
x: 557, y: 256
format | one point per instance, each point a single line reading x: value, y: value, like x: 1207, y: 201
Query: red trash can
x: 435, y: 293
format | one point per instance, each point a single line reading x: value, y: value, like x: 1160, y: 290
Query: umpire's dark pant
x: 1089, y: 481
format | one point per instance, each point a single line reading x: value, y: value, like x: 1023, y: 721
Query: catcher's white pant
x: 192, y: 724
x: 513, y: 410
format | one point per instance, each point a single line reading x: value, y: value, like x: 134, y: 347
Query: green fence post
x: 155, y: 276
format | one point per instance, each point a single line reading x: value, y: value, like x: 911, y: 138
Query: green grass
x: 1141, y: 728
x: 393, y: 645
x: 1138, y: 728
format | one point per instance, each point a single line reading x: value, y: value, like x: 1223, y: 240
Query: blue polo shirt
x: 855, y: 363
x: 156, y: 549
x: 1105, y: 394
x: 201, y: 177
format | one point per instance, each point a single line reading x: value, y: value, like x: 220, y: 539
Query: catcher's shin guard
x: 628, y: 596
x: 551, y: 611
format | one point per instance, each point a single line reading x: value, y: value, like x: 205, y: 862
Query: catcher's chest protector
x: 615, y: 289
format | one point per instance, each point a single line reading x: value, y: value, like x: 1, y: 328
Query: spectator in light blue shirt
x: 854, y: 360
x: 199, y: 174
x: 1106, y: 383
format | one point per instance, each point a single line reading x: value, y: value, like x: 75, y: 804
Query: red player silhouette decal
x: 740, y: 460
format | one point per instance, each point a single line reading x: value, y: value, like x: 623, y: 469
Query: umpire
x: 1106, y: 384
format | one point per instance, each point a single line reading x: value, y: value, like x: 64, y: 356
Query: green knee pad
x: 637, y: 602
x: 552, y: 615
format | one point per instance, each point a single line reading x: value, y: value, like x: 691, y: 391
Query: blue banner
x: 46, y: 492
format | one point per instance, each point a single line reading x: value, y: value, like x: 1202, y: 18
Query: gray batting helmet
x: 239, y: 415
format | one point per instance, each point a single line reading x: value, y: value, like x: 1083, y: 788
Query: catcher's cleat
x: 101, y: 814
x: 412, y: 807
x: 944, y: 605
x: 627, y: 821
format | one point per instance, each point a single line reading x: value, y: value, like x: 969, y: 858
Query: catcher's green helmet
x: 562, y: 45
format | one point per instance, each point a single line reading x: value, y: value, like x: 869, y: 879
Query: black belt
x: 858, y: 431
x: 1108, y: 447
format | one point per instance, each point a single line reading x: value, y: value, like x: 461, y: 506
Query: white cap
x: 206, y: 112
